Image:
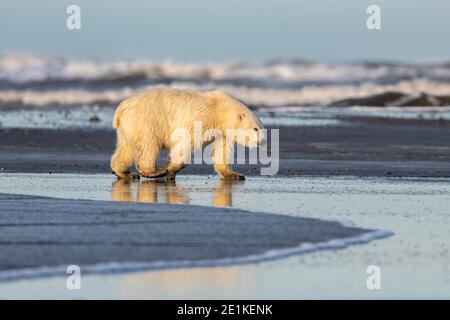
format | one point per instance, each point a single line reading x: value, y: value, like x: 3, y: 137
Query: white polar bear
x: 146, y: 123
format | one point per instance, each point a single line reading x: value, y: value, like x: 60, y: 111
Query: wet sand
x: 46, y: 232
x: 358, y: 147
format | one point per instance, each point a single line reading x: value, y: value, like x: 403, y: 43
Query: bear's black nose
x: 263, y: 143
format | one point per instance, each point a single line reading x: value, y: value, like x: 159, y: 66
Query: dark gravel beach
x: 361, y: 147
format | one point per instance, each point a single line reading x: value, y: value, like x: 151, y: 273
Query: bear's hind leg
x: 173, y: 168
x: 146, y: 162
x: 179, y: 157
x: 122, y: 159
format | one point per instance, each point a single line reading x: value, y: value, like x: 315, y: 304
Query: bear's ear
x: 241, y: 116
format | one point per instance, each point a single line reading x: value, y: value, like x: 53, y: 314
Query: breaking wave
x: 255, y: 97
x: 35, y: 80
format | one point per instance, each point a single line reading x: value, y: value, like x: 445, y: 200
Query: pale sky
x: 213, y: 30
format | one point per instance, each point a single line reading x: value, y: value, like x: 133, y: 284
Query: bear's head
x: 242, y: 124
x: 249, y: 130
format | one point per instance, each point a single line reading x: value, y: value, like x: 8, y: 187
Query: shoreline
x: 360, y: 147
x: 221, y: 240
x: 124, y: 268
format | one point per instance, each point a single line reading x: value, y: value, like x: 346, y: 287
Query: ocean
x: 283, y: 92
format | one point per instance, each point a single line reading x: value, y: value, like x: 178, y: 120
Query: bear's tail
x: 117, y: 116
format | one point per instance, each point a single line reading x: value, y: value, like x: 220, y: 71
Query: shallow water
x: 415, y: 262
x: 256, y: 193
x: 101, y: 117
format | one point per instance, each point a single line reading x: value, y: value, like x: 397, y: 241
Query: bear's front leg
x: 222, y: 153
x: 225, y: 172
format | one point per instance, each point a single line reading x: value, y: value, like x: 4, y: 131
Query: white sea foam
x: 26, y: 67
x: 307, y: 95
x: 123, y: 267
x: 325, y: 94
x: 63, y: 97
x: 285, y: 116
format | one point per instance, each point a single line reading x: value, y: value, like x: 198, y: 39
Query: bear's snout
x: 262, y: 137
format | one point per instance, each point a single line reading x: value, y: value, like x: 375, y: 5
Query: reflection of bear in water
x: 146, y: 123
x: 151, y: 191
x: 148, y: 191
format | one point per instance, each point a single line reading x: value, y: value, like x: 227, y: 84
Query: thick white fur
x: 146, y: 122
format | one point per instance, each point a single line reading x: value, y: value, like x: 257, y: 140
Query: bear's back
x: 165, y: 109
x: 170, y: 100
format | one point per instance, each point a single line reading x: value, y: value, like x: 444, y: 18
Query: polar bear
x: 146, y: 123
